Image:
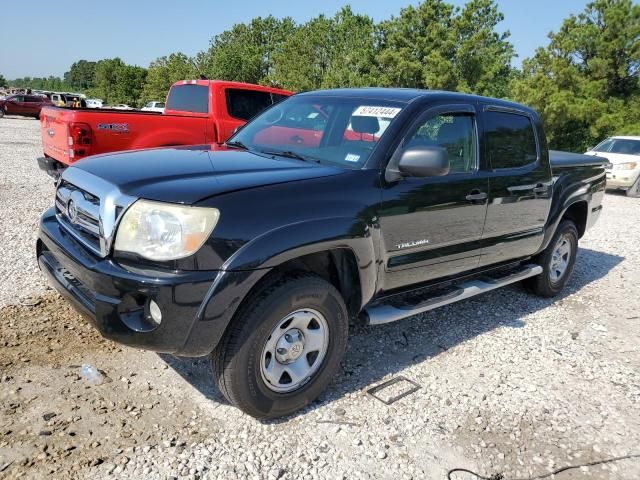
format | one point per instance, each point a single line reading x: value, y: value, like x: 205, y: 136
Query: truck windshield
x: 335, y: 130
x: 189, y: 98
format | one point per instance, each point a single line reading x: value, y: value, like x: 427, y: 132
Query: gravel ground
x: 509, y: 383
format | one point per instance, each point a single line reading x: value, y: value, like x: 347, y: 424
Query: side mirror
x: 424, y: 161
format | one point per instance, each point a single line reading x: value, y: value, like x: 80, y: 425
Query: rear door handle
x: 476, y: 196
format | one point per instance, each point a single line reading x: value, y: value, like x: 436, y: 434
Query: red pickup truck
x: 197, y: 112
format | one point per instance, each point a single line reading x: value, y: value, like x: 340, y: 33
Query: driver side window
x: 455, y: 133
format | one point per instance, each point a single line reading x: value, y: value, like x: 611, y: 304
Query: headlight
x: 163, y: 231
x: 625, y: 166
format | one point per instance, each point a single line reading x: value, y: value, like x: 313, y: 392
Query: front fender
x: 302, y: 238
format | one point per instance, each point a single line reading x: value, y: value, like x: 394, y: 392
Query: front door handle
x: 476, y: 196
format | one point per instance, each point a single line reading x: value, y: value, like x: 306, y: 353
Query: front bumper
x: 196, y: 305
x: 621, y: 178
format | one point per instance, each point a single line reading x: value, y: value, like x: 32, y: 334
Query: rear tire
x: 261, y: 346
x: 1, y: 112
x: 634, y: 190
x: 557, y: 261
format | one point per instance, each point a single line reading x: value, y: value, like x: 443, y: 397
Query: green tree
x: 304, y: 58
x: 245, y: 53
x: 585, y: 83
x: 418, y: 47
x: 117, y: 82
x: 482, y: 58
x: 3, y: 82
x: 329, y: 52
x: 80, y: 74
x: 437, y: 46
x: 165, y: 71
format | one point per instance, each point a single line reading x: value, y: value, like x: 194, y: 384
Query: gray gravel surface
x: 24, y: 192
x: 510, y: 383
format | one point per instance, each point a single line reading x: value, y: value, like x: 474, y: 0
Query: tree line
x: 585, y: 83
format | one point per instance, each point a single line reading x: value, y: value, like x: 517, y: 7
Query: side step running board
x: 390, y: 312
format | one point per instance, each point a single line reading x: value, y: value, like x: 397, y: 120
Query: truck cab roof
x: 408, y: 95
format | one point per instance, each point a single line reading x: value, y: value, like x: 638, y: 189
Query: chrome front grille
x: 89, y: 208
x: 79, y: 212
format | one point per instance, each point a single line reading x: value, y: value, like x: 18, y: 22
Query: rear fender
x: 568, y: 192
x: 164, y: 138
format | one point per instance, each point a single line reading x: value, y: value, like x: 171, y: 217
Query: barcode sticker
x: 373, y: 111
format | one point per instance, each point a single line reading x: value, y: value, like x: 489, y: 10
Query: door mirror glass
x: 424, y: 161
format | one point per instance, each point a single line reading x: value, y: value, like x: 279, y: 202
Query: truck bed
x: 569, y: 159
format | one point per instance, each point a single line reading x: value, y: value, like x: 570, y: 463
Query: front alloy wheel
x: 283, y: 346
x: 295, y: 350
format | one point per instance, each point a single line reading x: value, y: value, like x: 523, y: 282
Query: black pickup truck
x: 367, y: 205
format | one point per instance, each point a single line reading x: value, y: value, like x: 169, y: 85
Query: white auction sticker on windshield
x: 373, y: 111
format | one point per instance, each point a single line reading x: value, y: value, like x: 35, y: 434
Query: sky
x: 139, y: 31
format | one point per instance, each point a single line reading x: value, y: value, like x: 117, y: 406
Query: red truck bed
x: 197, y: 112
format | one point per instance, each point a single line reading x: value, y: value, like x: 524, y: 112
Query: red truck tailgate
x: 53, y: 130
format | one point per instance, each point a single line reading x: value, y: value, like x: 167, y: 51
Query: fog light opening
x: 155, y: 314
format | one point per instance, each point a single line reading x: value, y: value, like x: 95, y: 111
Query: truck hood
x: 191, y: 174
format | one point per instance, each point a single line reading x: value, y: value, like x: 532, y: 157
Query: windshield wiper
x: 236, y: 144
x: 290, y: 154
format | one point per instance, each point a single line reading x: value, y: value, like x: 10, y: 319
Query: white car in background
x: 154, y: 107
x: 624, y: 155
x: 94, y: 103
x: 121, y: 106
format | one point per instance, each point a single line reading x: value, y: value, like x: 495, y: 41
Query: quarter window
x: 455, y: 133
x: 511, y: 141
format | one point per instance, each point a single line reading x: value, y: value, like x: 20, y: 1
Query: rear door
x: 432, y: 226
x: 32, y: 105
x: 519, y: 186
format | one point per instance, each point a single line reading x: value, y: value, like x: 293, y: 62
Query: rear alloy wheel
x: 283, y: 346
x: 634, y: 190
x: 557, y: 261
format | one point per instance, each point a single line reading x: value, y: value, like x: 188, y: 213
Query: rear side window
x: 246, y: 104
x: 511, y: 141
x: 189, y: 98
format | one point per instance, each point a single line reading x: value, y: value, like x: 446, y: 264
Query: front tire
x: 557, y: 261
x: 634, y: 190
x: 283, y: 347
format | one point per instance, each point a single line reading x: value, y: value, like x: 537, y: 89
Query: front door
x: 15, y: 105
x: 431, y: 227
